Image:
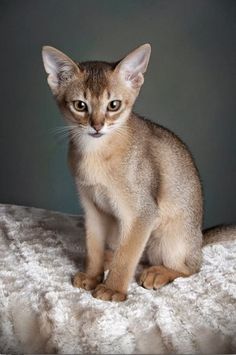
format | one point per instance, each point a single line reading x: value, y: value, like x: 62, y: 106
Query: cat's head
x: 97, y: 97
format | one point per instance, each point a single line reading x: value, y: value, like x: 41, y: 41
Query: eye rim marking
x: 111, y: 109
x: 80, y: 109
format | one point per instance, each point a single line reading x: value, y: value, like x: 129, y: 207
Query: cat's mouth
x: 96, y: 135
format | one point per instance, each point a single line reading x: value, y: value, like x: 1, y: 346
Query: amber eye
x: 80, y: 106
x: 114, y: 105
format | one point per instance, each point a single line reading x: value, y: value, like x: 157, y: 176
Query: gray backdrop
x: 189, y: 88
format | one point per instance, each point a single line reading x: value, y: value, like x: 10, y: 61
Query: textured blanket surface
x: 41, y: 312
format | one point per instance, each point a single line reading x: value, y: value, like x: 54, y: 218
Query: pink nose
x: 97, y: 126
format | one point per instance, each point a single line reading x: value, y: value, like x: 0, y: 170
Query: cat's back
x: 161, y: 143
x: 148, y: 130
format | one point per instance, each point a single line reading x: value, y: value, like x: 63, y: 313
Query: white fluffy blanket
x: 40, y: 311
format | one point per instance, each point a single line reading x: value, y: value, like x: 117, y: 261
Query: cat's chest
x: 103, y: 198
x: 93, y: 170
x: 97, y: 176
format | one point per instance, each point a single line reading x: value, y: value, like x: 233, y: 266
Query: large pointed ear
x: 134, y: 65
x: 59, y: 67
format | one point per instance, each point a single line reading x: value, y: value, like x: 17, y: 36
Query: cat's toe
x: 106, y: 294
x: 82, y: 280
x: 154, y: 278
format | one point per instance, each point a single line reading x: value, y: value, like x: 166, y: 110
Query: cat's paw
x: 82, y: 280
x: 106, y: 294
x: 155, y: 277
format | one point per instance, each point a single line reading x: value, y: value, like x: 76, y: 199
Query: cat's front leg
x: 132, y: 243
x: 96, y: 227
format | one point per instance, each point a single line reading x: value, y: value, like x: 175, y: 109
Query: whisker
x: 62, y: 133
x: 121, y: 131
x: 76, y: 131
x: 62, y: 129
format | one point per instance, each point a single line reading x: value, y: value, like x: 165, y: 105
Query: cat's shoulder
x: 156, y: 130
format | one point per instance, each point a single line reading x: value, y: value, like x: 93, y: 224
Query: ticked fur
x: 137, y: 181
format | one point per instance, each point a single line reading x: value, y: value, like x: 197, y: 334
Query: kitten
x: 137, y: 181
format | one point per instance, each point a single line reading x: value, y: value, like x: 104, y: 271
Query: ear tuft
x: 58, y: 66
x: 134, y: 65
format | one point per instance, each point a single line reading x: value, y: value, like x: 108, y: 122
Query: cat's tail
x: 219, y: 234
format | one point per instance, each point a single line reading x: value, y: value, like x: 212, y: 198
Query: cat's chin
x: 96, y: 135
